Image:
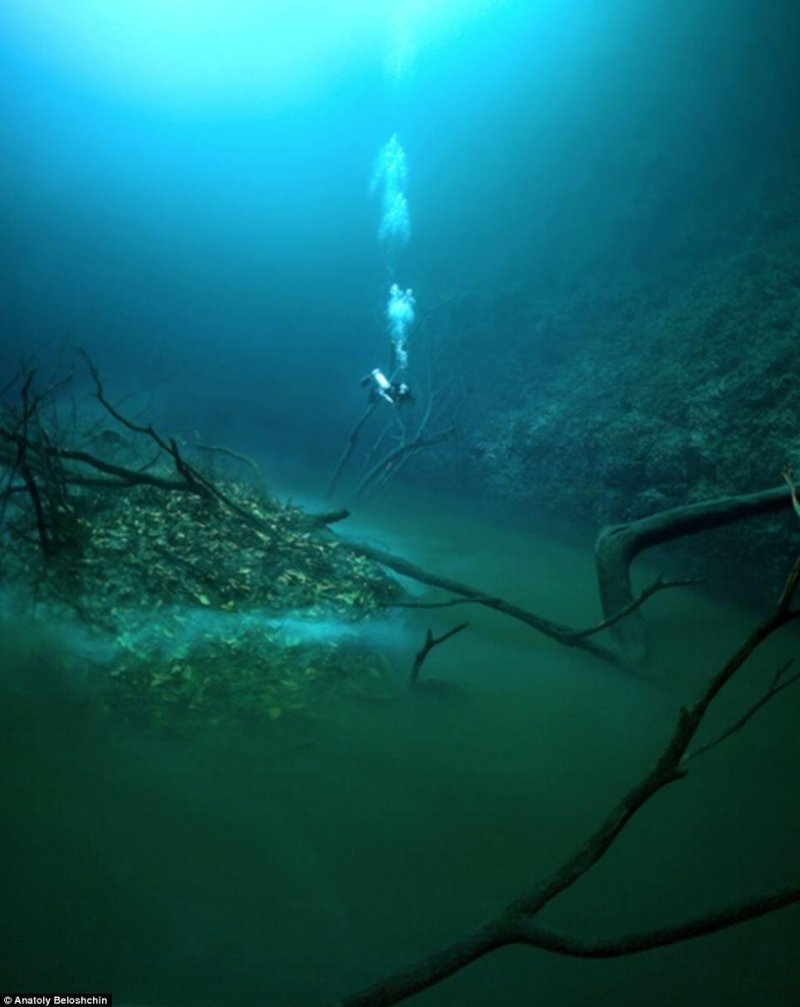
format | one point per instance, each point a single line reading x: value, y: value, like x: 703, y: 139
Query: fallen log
x: 618, y: 545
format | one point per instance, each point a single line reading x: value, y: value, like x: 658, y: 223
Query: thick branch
x: 561, y: 634
x: 480, y: 599
x: 429, y: 971
x: 648, y: 940
x: 516, y: 923
x: 618, y: 545
x: 125, y: 476
x: 326, y: 518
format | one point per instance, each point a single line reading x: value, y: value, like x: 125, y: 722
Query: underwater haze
x: 332, y: 335
x: 173, y: 202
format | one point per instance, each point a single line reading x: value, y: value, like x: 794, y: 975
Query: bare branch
x: 777, y: 686
x: 29, y: 405
x: 709, y: 923
x: 349, y: 447
x: 137, y: 428
x: 659, y: 584
x: 194, y: 480
x: 392, y: 461
x: 618, y: 545
x: 432, y: 641
x: 561, y: 634
x: 228, y: 452
x: 479, y: 600
x: 788, y: 476
x: 516, y: 922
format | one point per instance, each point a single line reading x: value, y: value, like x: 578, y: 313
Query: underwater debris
x: 213, y: 617
x: 211, y: 598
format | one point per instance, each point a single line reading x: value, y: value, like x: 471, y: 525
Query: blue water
x: 207, y: 227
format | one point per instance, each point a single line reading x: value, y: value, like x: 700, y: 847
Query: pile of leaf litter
x: 213, y: 616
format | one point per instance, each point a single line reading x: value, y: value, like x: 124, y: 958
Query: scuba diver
x: 396, y: 393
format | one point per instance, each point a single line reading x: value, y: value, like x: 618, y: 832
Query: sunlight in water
x: 201, y: 50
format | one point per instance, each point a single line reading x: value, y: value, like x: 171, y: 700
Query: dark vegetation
x: 631, y: 388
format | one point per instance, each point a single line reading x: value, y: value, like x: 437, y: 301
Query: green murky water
x: 290, y: 865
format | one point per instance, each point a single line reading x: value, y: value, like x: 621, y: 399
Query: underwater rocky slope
x: 634, y: 391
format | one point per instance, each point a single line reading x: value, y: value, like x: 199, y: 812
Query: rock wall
x: 616, y: 399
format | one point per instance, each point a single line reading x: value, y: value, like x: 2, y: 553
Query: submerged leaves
x: 194, y: 598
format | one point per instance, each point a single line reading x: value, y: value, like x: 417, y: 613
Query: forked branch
x: 432, y: 641
x: 518, y: 922
x: 618, y: 545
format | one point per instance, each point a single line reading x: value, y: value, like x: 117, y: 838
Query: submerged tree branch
x: 661, y: 937
x: 561, y: 634
x: 659, y: 584
x: 518, y: 923
x: 778, y: 684
x: 618, y: 545
x: 349, y: 448
x: 480, y: 599
x: 194, y: 480
x: 395, y: 458
x: 432, y: 641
